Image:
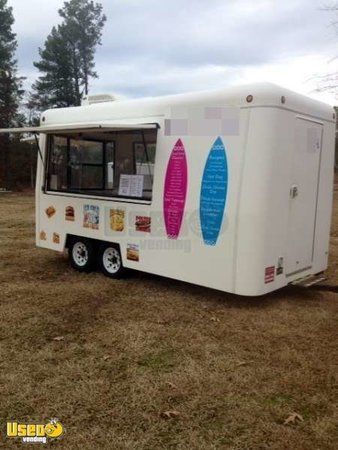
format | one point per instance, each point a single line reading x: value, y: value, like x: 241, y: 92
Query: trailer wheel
x: 82, y: 254
x: 110, y: 260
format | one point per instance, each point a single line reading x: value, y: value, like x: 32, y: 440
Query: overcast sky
x: 154, y: 47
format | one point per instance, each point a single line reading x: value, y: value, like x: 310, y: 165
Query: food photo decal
x: 43, y: 236
x: 143, y: 223
x: 133, y: 252
x: 91, y: 216
x: 50, y: 211
x: 70, y: 213
x: 117, y: 219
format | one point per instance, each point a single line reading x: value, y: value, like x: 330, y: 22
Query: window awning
x: 81, y: 127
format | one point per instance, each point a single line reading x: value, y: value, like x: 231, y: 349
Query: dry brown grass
x: 233, y: 368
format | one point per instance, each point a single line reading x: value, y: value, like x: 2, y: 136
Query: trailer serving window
x: 113, y: 164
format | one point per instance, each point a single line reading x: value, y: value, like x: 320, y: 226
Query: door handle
x: 294, y: 191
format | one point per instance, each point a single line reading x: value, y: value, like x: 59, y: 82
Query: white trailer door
x: 303, y: 195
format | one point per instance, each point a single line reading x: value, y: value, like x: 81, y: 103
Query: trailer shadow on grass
x: 143, y: 285
x: 291, y: 293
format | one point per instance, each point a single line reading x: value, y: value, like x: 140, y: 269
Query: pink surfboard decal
x: 175, y: 190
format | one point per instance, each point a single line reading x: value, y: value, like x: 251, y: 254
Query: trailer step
x: 309, y: 280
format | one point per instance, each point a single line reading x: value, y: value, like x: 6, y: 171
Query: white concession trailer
x: 229, y: 189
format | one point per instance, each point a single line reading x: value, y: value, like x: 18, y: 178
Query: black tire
x: 110, y: 260
x: 82, y: 254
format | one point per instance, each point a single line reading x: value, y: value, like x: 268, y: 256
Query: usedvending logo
x: 35, y: 432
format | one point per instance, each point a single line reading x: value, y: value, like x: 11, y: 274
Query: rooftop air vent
x: 90, y: 99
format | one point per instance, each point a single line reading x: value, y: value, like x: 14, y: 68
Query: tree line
x: 66, y: 66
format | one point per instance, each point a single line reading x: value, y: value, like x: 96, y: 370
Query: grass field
x: 151, y: 363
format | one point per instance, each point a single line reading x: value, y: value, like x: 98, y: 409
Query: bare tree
x: 329, y: 81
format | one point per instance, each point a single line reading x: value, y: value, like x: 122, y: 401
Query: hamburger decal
x: 143, y: 223
x: 133, y: 252
x: 70, y: 213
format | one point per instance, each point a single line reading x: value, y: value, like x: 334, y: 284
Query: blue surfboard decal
x: 214, y: 190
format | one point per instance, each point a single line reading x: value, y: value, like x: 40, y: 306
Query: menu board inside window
x: 131, y: 185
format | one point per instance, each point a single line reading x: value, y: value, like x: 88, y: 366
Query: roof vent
x: 90, y: 99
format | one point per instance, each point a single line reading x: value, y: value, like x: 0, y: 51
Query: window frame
x: 70, y: 190
x: 142, y: 143
x: 69, y: 168
x: 75, y: 193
